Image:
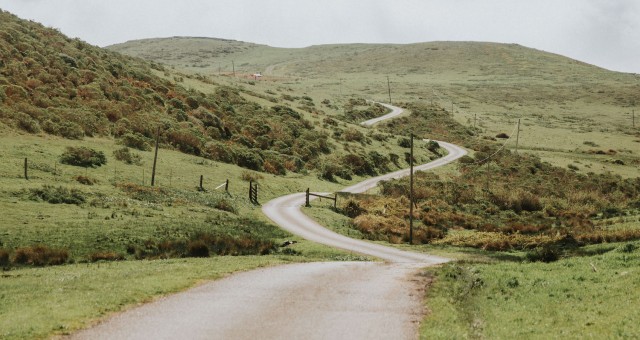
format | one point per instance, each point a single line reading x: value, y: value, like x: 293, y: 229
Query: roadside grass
x: 589, y: 296
x: 41, y: 302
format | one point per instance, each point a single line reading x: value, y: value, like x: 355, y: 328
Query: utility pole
x: 475, y: 117
x: 233, y: 65
x: 389, y: 87
x: 518, y: 135
x: 633, y: 118
x: 155, y: 158
x: 411, y: 192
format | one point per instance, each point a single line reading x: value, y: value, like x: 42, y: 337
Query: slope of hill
x: 60, y: 86
x: 572, y: 113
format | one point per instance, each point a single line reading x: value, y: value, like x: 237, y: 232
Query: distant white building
x: 257, y: 75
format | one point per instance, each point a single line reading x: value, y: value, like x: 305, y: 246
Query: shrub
x: 197, y: 248
x: 105, y: 256
x: 224, y: 205
x: 57, y: 195
x: 85, y: 180
x: 545, y: 254
x: 250, y: 176
x: 136, y: 141
x: 353, y: 135
x: 353, y: 209
x: 404, y: 142
x: 40, y: 256
x: 502, y: 135
x: 69, y: 130
x: 82, y: 156
x: 4, y: 258
x: 250, y: 160
x: 125, y: 155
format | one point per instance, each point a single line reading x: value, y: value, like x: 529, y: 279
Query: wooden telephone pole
x: 389, y: 87
x: 155, y: 159
x: 411, y: 192
x: 518, y: 135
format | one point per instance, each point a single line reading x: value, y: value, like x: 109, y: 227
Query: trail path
x: 334, y: 300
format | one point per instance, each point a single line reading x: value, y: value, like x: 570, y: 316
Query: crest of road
x: 328, y: 300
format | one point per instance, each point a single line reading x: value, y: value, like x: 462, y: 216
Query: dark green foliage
x: 548, y: 253
x: 57, y: 195
x: 125, y: 155
x: 136, y: 141
x: 404, y: 142
x: 4, y: 258
x: 82, y: 156
x: 197, y: 248
x: 353, y: 209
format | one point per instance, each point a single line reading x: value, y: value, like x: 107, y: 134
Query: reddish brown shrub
x: 105, y: 256
x: 40, y: 256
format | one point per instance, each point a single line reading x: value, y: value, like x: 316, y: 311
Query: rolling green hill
x: 572, y: 113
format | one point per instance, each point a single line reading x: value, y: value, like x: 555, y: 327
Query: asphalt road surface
x: 336, y: 300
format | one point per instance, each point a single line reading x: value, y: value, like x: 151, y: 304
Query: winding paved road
x: 395, y: 111
x: 333, y: 300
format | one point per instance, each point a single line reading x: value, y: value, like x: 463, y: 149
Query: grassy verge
x: 578, y: 297
x: 41, y: 302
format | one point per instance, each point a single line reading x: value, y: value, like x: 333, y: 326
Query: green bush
x: 547, y: 253
x: 82, y: 156
x: 125, y: 155
x: 404, y: 142
x: 59, y: 195
x: 136, y: 141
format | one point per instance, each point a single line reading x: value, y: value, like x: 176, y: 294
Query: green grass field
x: 584, y: 297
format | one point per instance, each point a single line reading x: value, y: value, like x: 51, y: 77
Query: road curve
x: 395, y: 111
x: 286, y: 212
x: 335, y: 300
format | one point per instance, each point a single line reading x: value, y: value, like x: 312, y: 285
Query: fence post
x: 26, y: 176
x: 226, y: 186
x: 250, y: 190
x: 201, y: 188
x: 335, y: 202
x: 307, y: 200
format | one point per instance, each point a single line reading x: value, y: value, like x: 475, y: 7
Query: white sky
x: 601, y: 32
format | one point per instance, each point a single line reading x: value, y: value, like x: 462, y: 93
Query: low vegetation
x: 577, y: 297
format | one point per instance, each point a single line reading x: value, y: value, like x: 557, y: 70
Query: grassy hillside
x: 572, y: 113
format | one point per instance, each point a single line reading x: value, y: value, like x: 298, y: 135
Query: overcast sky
x: 601, y: 32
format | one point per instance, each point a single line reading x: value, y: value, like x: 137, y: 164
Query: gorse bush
x: 125, y: 155
x: 57, y: 195
x: 204, y: 245
x: 84, y: 157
